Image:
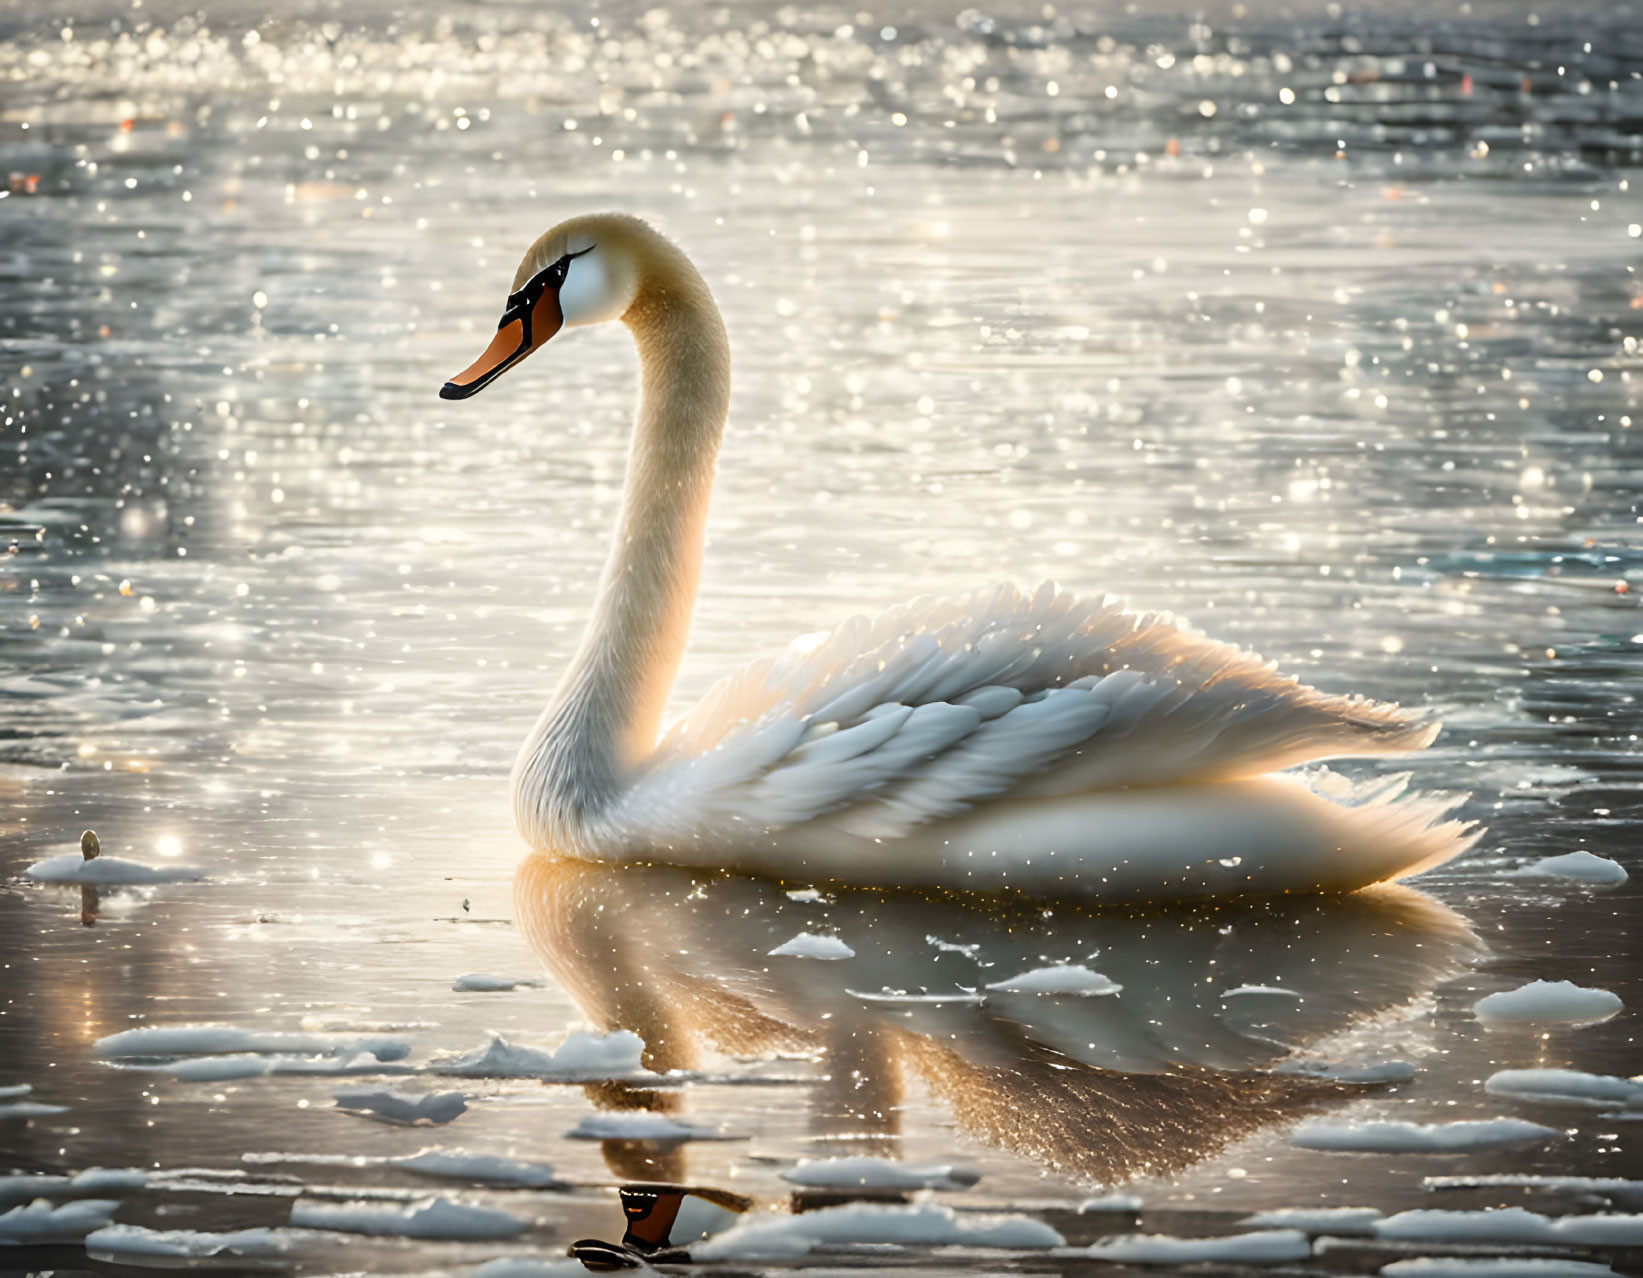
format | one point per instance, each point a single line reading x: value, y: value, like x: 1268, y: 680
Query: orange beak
x: 522, y: 330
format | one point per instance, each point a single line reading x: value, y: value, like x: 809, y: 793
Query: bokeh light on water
x: 1319, y: 329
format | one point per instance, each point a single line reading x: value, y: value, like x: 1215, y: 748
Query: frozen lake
x: 1320, y: 333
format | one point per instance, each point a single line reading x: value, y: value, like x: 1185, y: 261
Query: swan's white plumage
x: 1043, y: 741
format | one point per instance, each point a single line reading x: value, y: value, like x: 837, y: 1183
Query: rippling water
x: 1320, y: 332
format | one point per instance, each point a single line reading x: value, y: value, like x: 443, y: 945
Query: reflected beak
x: 522, y: 330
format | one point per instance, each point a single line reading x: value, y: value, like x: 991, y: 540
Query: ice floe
x: 109, y: 871
x: 480, y: 983
x: 811, y: 946
x: 1421, y: 1138
x: 1342, y: 1221
x: 94, y: 1180
x: 432, y: 1218
x: 1512, y: 1225
x: 1565, y: 1087
x: 408, y: 1108
x: 1267, y: 1246
x: 135, y: 1240
x: 1494, y: 1267
x: 1548, y: 1003
x: 888, y: 995
x: 215, y: 1040
x: 1628, y: 1193
x: 43, y: 1221
x: 1261, y: 989
x: 1127, y: 1203
x: 643, y: 1125
x: 1583, y: 866
x: 867, y: 1172
x: 15, y: 1090
x: 491, y: 1169
x: 582, y: 1057
x: 1060, y: 978
x: 770, y: 1237
x: 221, y: 1069
x: 29, y: 1109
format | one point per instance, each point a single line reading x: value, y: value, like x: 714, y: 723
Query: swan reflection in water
x: 1146, y: 1081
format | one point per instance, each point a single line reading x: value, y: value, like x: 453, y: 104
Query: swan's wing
x: 938, y: 705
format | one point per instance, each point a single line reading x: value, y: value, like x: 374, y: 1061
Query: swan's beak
x: 522, y: 330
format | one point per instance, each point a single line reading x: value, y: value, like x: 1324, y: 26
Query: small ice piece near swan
x: 403, y: 1107
x: 491, y: 1169
x: 1512, y: 1225
x: 1059, y: 978
x: 811, y: 946
x: 109, y: 871
x: 1548, y: 1003
x: 1570, y: 1087
x: 1267, y: 1246
x: 135, y: 1240
x: 1495, y: 1267
x: 1341, y: 1221
x: 30, y: 1109
x: 582, y: 1057
x: 214, y: 1040
x: 41, y: 1221
x: 770, y: 1237
x: 1420, y: 1138
x: 867, y: 1172
x: 1581, y: 866
x: 431, y: 1218
x: 480, y: 983
x: 1126, y: 1203
x: 643, y: 1125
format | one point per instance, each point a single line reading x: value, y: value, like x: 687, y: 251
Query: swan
x: 1041, y: 742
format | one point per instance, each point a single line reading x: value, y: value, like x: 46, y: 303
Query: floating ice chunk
x: 107, y: 1180
x: 1628, y: 1193
x: 41, y: 1221
x: 94, y: 1180
x: 108, y: 871
x: 432, y: 1218
x: 642, y: 1125
x: 30, y: 1109
x: 1565, y: 1087
x: 1582, y: 866
x: 1268, y: 1246
x: 1060, y: 978
x: 1111, y: 1202
x: 16, y: 1090
x: 200, y: 1040
x: 217, y: 1069
x: 1548, y: 1003
x: 134, y: 1240
x: 887, y: 995
x: 411, y: 1109
x: 492, y: 1169
x: 1261, y: 989
x: 1345, y: 1221
x: 858, y: 1224
x: 1494, y: 1267
x: 581, y: 1057
x: 806, y: 896
x: 478, y: 982
x: 1420, y: 1138
x: 1511, y: 1225
x: 867, y: 1172
x: 809, y: 945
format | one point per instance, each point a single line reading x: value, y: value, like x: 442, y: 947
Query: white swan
x: 1042, y: 741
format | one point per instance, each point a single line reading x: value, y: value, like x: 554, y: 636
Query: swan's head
x: 584, y: 271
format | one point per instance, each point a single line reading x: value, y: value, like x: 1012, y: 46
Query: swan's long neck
x: 604, y: 718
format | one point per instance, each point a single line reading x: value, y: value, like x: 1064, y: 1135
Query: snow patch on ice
x: 866, y: 1224
x: 215, y: 1040
x: 867, y: 1172
x: 1565, y: 1087
x: 407, y: 1108
x: 1582, y: 866
x: 811, y: 946
x: 108, y: 871
x: 480, y: 983
x: 1548, y: 1003
x: 643, y: 1125
x: 1345, y: 1221
x: 135, y: 1240
x: 581, y: 1057
x: 432, y: 1218
x: 1268, y: 1246
x: 41, y: 1221
x: 1420, y: 1138
x: 1060, y: 978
